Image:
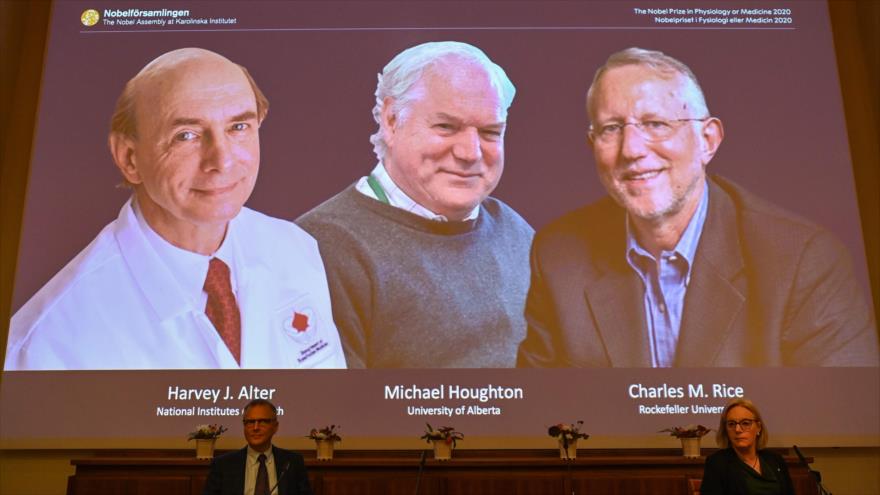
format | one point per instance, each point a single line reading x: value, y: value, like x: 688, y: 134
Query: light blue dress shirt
x: 665, y: 282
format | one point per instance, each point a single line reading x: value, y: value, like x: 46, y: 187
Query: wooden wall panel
x: 474, y: 472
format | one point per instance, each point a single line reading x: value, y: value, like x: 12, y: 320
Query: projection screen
x: 767, y: 69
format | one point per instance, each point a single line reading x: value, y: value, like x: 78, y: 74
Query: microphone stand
x: 817, y: 476
x: 421, y: 468
x: 280, y: 477
x: 570, y: 477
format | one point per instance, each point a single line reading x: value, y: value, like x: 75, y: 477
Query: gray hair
x: 660, y: 63
x: 403, y: 72
x: 259, y: 402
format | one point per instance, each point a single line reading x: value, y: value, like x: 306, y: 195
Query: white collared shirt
x: 399, y: 199
x: 188, y: 268
x: 252, y: 465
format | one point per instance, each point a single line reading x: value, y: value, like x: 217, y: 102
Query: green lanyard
x: 377, y: 189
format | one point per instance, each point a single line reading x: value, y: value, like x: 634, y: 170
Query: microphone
x: 280, y: 477
x: 804, y: 460
x: 817, y: 476
x: 421, y: 467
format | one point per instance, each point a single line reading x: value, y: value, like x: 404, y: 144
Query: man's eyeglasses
x: 652, y: 129
x: 745, y: 424
x: 258, y: 421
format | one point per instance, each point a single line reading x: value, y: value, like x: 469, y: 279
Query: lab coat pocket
x: 306, y: 332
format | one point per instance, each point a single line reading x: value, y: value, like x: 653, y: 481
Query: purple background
x: 355, y: 400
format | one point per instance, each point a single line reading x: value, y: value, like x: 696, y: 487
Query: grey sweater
x: 409, y: 292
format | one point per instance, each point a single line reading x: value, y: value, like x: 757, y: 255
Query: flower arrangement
x: 567, y: 432
x: 206, y: 432
x: 445, y: 433
x: 689, y: 431
x: 325, y: 433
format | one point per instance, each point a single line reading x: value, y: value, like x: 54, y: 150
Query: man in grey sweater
x: 425, y: 269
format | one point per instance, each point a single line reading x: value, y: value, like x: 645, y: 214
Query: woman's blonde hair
x: 722, y: 438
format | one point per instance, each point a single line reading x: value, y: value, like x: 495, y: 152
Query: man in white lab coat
x: 185, y: 277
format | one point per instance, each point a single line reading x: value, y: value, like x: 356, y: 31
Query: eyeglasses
x: 653, y: 129
x: 258, y: 421
x: 745, y: 424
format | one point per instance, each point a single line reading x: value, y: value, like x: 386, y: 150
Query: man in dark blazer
x: 260, y: 468
x: 674, y: 269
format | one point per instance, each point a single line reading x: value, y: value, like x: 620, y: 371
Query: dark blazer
x: 227, y: 474
x: 767, y: 289
x: 724, y: 473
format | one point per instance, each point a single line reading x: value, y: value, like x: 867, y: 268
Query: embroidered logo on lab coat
x: 300, y: 322
x: 300, y: 325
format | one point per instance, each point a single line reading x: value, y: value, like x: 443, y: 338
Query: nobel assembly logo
x: 118, y: 18
x: 90, y: 17
x: 134, y: 17
x: 119, y: 13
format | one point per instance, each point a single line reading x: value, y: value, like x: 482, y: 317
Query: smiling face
x: 195, y: 159
x: 740, y: 439
x: 260, y: 425
x: 654, y: 181
x: 446, y: 149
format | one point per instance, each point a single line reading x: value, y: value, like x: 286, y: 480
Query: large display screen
x: 767, y: 70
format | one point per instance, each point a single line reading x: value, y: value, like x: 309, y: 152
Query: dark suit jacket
x: 767, y: 289
x: 227, y: 474
x: 725, y: 474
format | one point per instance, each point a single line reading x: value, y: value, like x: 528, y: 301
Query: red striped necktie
x: 222, y: 309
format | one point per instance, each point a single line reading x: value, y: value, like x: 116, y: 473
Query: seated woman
x: 742, y: 466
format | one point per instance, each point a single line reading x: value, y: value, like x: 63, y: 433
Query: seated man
x: 676, y: 268
x: 260, y: 468
x: 185, y: 277
x: 425, y: 269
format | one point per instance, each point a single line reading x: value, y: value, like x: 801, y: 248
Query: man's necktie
x: 262, y: 486
x: 222, y: 309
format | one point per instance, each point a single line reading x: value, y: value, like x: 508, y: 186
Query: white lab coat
x: 116, y: 305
